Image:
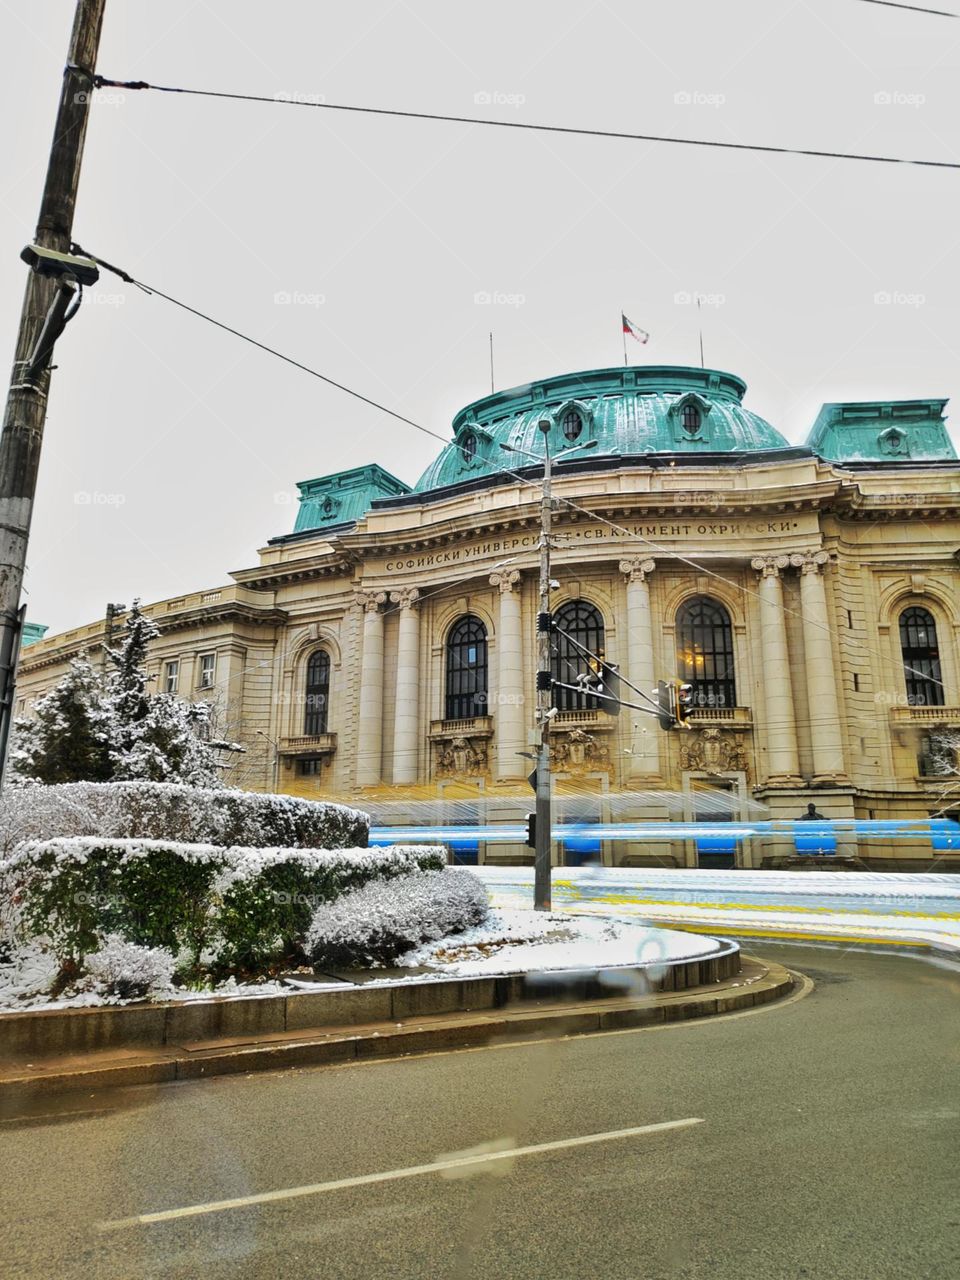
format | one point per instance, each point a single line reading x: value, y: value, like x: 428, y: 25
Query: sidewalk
x: 758, y: 983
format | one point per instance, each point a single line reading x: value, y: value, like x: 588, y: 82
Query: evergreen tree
x: 67, y: 739
x: 154, y: 739
x: 164, y: 746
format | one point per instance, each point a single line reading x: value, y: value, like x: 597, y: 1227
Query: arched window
x: 691, y: 419
x: 317, y: 694
x: 582, y: 622
x: 705, y: 652
x: 466, y: 669
x: 921, y: 658
x: 571, y: 424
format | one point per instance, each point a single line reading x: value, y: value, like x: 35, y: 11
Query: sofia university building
x: 384, y: 651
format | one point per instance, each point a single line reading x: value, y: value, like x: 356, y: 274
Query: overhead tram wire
x: 911, y: 8
x: 504, y: 471
x: 100, y: 82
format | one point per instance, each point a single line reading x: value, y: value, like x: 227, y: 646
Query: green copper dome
x: 630, y: 411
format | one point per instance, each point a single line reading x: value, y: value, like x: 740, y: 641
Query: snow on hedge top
x: 172, y: 811
x: 234, y: 863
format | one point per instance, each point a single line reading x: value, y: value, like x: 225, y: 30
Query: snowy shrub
x: 247, y: 905
x: 172, y: 811
x: 129, y: 971
x: 266, y: 898
x: 32, y: 811
x: 378, y: 923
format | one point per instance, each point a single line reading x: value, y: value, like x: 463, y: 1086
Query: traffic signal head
x: 666, y: 698
x: 609, y: 687
x: 684, y: 702
x: 531, y: 839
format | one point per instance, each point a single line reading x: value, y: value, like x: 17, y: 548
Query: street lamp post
x: 543, y: 841
x: 545, y: 709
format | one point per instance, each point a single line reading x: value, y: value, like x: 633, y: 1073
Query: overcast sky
x: 361, y: 245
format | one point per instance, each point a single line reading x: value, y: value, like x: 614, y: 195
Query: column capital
x: 405, y: 597
x: 369, y: 601
x: 637, y: 568
x: 809, y: 561
x: 769, y: 566
x: 505, y: 579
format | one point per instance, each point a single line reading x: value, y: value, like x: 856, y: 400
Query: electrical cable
x: 103, y: 82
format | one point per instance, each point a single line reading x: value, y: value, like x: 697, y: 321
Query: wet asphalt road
x: 829, y: 1148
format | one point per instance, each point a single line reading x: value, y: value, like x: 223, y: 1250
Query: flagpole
x: 700, y: 327
x: 491, y: 362
x: 623, y: 334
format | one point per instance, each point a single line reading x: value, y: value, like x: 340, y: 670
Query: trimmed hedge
x: 244, y: 907
x: 375, y: 925
x: 172, y: 811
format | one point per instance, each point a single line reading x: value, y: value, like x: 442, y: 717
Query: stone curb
x: 759, y: 983
x: 35, y: 1034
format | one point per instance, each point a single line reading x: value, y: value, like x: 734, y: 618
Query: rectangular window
x: 171, y: 676
x: 850, y: 618
x: 309, y: 768
x: 208, y: 670
x: 856, y: 682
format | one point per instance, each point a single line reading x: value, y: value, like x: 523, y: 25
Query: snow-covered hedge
x: 172, y: 811
x: 376, y: 924
x: 240, y: 906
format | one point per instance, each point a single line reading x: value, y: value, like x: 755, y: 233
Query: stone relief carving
x: 578, y: 750
x: 713, y: 750
x: 466, y: 756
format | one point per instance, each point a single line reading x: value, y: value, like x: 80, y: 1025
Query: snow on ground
x: 515, y: 941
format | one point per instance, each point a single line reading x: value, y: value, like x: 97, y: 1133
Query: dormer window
x: 571, y: 424
x: 327, y: 506
x: 691, y: 419
x: 468, y: 447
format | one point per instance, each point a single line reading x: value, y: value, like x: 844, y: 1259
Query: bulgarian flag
x: 630, y: 328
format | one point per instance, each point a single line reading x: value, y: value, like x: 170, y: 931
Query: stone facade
x: 812, y: 561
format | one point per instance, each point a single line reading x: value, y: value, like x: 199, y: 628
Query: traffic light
x: 684, y: 702
x: 531, y: 839
x: 666, y: 704
x: 603, y: 680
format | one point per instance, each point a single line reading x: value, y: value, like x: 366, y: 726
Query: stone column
x: 370, y: 711
x: 783, y: 767
x: 406, y: 723
x: 640, y: 665
x: 826, y: 737
x: 510, y: 720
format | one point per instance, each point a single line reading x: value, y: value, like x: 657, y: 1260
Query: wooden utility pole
x: 26, y: 407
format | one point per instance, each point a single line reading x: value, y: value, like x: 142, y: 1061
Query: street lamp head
x: 545, y: 424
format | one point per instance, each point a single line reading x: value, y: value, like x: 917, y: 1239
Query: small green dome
x: 628, y: 412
